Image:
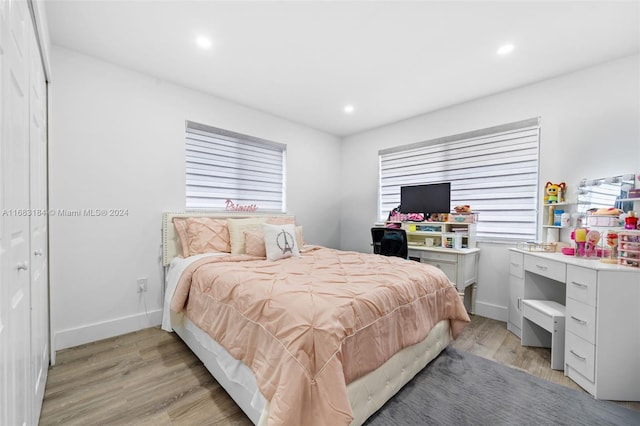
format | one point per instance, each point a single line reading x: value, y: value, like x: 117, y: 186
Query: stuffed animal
x: 605, y: 211
x: 463, y: 209
x: 553, y: 192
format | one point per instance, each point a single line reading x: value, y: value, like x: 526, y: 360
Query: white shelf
x: 564, y: 203
x: 613, y: 228
x: 548, y: 210
x: 438, y: 232
x: 628, y: 199
x: 425, y: 233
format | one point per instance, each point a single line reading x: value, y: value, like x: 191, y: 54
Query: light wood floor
x: 151, y: 378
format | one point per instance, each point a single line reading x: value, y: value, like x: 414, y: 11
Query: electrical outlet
x: 142, y: 284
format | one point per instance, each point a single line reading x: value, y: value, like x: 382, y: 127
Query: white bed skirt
x: 366, y: 394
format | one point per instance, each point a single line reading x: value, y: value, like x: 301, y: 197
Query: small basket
x: 531, y: 246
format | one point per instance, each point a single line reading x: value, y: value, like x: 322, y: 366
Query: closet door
x: 14, y: 177
x: 38, y: 228
x: 4, y: 290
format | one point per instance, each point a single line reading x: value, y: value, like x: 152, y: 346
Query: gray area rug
x: 459, y: 388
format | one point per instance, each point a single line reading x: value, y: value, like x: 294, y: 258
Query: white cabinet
x: 24, y: 319
x: 601, y: 316
x: 516, y: 291
x: 603, y: 342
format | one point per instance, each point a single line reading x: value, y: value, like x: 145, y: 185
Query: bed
x: 315, y: 336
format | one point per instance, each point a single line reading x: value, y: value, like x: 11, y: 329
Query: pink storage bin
x: 629, y: 248
x: 463, y: 217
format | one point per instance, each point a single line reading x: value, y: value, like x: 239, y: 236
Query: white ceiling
x: 305, y: 60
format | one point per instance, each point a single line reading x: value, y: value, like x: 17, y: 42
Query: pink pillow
x: 203, y: 235
x: 254, y: 243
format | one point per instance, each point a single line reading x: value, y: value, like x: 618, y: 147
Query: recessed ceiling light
x: 505, y: 49
x: 203, y: 42
x: 349, y: 109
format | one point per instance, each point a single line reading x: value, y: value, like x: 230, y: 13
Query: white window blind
x: 494, y: 170
x: 223, y: 165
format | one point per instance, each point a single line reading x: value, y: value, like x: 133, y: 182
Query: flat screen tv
x: 427, y: 199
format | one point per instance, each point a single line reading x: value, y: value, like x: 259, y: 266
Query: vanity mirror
x: 606, y: 192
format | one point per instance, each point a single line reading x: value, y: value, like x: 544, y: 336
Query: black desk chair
x: 390, y: 242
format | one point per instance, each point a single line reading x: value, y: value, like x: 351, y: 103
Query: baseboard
x: 489, y: 310
x: 93, y: 332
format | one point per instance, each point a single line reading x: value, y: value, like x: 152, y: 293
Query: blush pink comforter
x: 309, y: 325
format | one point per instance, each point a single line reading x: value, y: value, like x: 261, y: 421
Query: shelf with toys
x: 556, y: 213
x: 602, y: 205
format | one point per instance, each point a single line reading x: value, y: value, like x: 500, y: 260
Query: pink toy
x: 592, y: 239
x: 631, y: 221
x: 415, y: 217
x: 612, y: 242
x: 579, y: 235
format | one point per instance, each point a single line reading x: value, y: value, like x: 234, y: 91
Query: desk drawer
x: 548, y: 268
x: 516, y: 264
x: 414, y: 254
x: 582, y: 284
x: 448, y: 268
x: 435, y: 256
x: 581, y: 320
x: 580, y: 355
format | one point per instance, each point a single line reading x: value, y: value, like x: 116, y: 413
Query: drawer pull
x: 581, y: 358
x: 544, y: 268
x: 577, y: 284
x: 578, y: 320
x: 517, y: 265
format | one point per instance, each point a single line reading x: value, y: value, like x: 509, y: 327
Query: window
x: 223, y: 165
x: 494, y: 170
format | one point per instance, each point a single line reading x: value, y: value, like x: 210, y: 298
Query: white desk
x: 602, y: 323
x: 460, y: 266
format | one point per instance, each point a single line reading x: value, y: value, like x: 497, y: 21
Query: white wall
x: 590, y: 128
x: 117, y: 142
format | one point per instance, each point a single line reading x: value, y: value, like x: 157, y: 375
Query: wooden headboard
x: 171, y: 246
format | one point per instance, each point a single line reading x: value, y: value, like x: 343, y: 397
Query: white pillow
x: 237, y: 228
x: 280, y: 241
